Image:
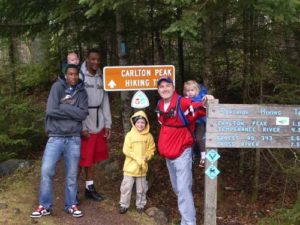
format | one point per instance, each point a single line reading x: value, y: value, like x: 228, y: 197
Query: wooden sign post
x: 245, y: 126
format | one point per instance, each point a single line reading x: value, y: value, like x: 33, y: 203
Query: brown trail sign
x: 129, y: 78
x: 244, y: 126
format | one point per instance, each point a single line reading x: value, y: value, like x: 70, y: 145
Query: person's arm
x: 107, y: 115
x: 53, y: 104
x: 198, y: 109
x: 106, y: 110
x: 150, y: 148
x: 78, y: 113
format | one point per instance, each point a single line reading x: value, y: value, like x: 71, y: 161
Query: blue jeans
x: 180, y: 171
x: 69, y: 147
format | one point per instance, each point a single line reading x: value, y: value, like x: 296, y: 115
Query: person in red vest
x: 176, y: 115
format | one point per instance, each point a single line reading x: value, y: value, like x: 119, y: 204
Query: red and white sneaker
x: 40, y: 211
x: 75, y: 211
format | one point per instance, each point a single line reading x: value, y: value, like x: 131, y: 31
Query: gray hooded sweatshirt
x: 66, y: 110
x: 99, y: 109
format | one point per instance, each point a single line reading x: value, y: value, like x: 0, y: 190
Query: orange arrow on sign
x: 126, y: 78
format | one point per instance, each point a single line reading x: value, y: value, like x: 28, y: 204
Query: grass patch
x: 284, y: 216
x: 19, y: 192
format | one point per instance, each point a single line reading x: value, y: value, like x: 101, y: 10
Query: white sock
x: 202, y: 155
x: 88, y: 183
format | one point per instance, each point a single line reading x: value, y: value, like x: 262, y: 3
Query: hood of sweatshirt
x: 63, y: 82
x: 85, y: 71
x: 140, y: 114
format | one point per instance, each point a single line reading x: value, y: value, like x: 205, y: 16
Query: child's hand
x: 206, y: 98
x: 144, y: 166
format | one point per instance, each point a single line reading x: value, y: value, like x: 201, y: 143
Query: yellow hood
x: 147, y: 127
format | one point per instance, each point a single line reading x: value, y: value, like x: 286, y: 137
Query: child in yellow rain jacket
x: 138, y: 148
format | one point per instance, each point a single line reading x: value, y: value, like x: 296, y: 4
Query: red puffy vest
x: 174, y: 135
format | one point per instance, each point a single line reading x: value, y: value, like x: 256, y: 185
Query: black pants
x: 199, y: 144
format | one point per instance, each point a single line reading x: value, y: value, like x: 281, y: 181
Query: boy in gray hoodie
x: 96, y: 127
x: 67, y: 107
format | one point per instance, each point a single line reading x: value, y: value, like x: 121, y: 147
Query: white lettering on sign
x: 250, y: 144
x: 163, y: 72
x: 271, y: 129
x: 259, y: 123
x: 296, y: 123
x: 136, y: 73
x: 234, y: 111
x: 231, y: 123
x: 137, y: 83
x: 267, y: 112
x: 297, y: 112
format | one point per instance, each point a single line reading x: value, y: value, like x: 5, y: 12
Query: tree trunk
x: 37, y: 54
x: 160, y: 49
x: 253, y: 65
x: 180, y: 54
x: 152, y: 35
x: 245, y: 84
x: 12, y: 57
x: 207, y: 58
x: 123, y: 56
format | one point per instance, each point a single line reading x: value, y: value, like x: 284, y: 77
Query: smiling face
x: 166, y: 90
x: 72, y: 76
x: 93, y: 62
x: 140, y: 124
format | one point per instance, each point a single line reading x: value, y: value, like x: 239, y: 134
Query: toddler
x: 192, y: 90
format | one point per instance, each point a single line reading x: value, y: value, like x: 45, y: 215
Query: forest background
x: 244, y: 51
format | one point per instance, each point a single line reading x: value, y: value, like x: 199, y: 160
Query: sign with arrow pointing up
x: 112, y: 84
x: 133, y: 78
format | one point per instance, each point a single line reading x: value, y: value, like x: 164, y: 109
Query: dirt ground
x: 20, y: 195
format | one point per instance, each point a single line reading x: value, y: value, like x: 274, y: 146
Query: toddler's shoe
x: 122, y: 210
x: 140, y: 210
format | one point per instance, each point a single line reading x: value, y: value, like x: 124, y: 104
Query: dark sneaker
x: 39, y: 212
x: 122, y: 210
x: 75, y: 211
x: 140, y: 210
x: 92, y: 193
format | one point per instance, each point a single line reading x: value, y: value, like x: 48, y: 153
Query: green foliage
x: 186, y: 27
x: 21, y: 126
x: 31, y: 76
x: 284, y: 216
x: 104, y: 5
x: 283, y: 11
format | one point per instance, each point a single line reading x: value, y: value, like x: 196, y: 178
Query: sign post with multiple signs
x: 132, y: 78
x: 245, y: 126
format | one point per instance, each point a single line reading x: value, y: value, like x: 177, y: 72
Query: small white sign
x: 139, y: 100
x: 284, y: 121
